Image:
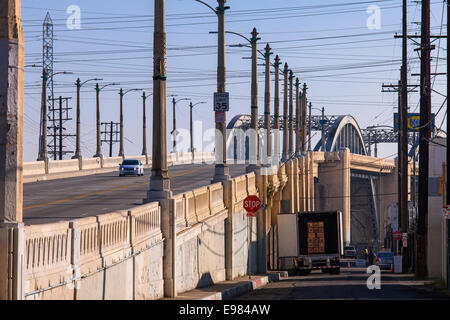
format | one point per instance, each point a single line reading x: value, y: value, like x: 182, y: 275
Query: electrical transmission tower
x: 47, y: 65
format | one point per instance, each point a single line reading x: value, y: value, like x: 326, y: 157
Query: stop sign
x: 397, y: 235
x: 252, y: 204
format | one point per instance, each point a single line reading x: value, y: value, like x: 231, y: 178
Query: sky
x: 327, y: 44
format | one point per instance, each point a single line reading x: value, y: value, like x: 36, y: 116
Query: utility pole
x: 276, y: 125
x: 43, y: 153
x: 267, y: 55
x: 222, y: 171
x: 403, y: 128
x: 309, y: 127
x: 254, y: 142
x: 304, y: 106
x: 425, y: 133
x: 285, y: 115
x: 297, y: 117
x: 291, y: 113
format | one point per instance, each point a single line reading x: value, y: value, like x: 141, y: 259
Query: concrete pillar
x: 228, y: 189
x: 11, y: 150
x: 334, y: 180
x: 221, y: 171
x: 261, y: 221
x: 159, y: 189
x: 287, y: 205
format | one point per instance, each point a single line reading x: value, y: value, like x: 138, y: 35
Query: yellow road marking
x: 86, y: 195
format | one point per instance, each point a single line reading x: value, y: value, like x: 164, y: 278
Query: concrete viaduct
x: 192, y: 239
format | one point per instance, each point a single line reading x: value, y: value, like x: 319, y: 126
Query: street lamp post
x: 98, y: 153
x: 122, y: 93
x: 277, y: 108
x: 309, y: 127
x: 43, y: 152
x: 267, y: 105
x: 79, y: 84
x: 291, y: 114
x: 144, y: 125
x: 304, y: 106
x: 297, y: 118
x: 253, y: 162
x: 285, y: 115
x: 174, y: 131
x: 191, y: 107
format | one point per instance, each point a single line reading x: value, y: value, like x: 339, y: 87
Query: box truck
x: 311, y: 241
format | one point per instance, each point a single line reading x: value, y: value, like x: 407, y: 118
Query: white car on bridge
x: 131, y: 167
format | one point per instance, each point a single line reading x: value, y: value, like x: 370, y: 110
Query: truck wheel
x: 325, y: 270
x: 335, y: 271
x: 304, y: 272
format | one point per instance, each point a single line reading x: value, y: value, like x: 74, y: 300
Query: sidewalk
x: 228, y: 289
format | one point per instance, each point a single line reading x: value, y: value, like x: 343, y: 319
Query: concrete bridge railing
x: 39, y: 170
x: 111, y: 256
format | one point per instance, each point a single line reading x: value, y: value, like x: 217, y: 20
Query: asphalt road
x: 79, y: 197
x: 350, y: 284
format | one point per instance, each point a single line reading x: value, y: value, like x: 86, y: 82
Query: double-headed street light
x: 122, y: 93
x: 98, y: 153
x: 174, y: 131
x: 79, y: 84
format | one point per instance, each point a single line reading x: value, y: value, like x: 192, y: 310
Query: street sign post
x: 252, y: 204
x: 221, y: 101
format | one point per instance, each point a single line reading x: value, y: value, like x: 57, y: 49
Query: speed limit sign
x: 221, y: 101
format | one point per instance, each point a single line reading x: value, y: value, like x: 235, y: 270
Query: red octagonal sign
x: 252, y: 204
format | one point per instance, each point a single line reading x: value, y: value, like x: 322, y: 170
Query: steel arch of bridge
x: 340, y: 132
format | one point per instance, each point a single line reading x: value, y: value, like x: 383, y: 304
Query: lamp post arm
x: 215, y: 11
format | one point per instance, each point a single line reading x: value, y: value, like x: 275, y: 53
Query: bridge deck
x: 79, y: 197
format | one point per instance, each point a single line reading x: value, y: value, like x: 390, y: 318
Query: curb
x: 239, y: 290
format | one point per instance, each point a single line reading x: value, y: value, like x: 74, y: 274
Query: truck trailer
x: 310, y: 241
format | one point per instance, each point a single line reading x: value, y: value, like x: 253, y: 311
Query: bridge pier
x: 11, y: 150
x: 334, y: 187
